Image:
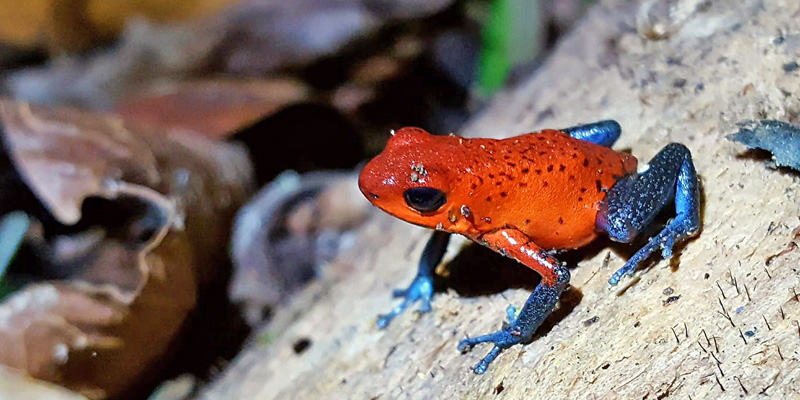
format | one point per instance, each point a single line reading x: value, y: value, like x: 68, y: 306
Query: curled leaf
x: 18, y: 387
x: 287, y: 231
x: 782, y: 139
x: 214, y: 108
x: 134, y: 237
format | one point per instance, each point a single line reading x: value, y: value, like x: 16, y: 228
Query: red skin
x: 542, y: 189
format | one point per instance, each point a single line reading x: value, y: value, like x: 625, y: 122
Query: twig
x: 740, y: 384
x: 734, y: 282
x: 798, y: 327
x: 719, y: 383
x: 725, y: 314
x: 717, y: 360
x: 720, y: 290
x: 701, y: 347
x: 748, y: 292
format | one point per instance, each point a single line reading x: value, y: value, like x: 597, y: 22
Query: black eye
x: 425, y: 199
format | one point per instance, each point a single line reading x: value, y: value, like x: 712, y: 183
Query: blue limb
x: 604, y: 133
x: 421, y: 289
x: 634, y: 201
x: 520, y: 328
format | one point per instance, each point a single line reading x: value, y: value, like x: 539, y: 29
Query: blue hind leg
x: 604, y: 133
x: 635, y: 200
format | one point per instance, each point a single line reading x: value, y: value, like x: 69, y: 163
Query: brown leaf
x: 287, y: 231
x: 105, y: 329
x: 251, y: 38
x: 214, y: 107
x: 68, y: 25
x: 16, y: 386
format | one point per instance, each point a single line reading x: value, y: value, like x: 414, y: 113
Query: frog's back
x: 546, y: 184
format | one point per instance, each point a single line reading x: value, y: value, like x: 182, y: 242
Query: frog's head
x: 411, y: 179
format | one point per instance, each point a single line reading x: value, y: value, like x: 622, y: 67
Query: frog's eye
x: 425, y: 199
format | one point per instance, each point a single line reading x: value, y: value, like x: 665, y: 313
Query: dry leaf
x: 69, y: 25
x: 251, y: 38
x: 214, y: 108
x: 18, y: 387
x: 287, y: 231
x: 105, y: 329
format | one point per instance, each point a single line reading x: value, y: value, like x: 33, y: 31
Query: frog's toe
x: 425, y: 306
x: 626, y: 269
x: 666, y: 251
x: 502, y: 340
x: 420, y: 290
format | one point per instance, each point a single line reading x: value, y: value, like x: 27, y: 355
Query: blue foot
x: 521, y: 325
x: 676, y: 231
x: 502, y: 339
x: 420, y: 290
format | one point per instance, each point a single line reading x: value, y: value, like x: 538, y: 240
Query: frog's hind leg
x: 604, y: 133
x: 634, y: 201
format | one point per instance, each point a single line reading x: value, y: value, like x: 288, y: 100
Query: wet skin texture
x: 523, y: 197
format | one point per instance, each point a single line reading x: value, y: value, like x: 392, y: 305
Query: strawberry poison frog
x: 527, y: 197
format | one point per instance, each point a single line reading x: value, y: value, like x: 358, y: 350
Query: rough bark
x: 717, y: 321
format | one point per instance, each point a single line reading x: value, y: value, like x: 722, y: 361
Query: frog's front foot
x: 420, y: 290
x: 502, y: 339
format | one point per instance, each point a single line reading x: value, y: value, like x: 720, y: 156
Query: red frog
x: 526, y: 197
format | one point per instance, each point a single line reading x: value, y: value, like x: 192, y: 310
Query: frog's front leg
x: 634, y: 201
x: 421, y: 289
x: 520, y: 327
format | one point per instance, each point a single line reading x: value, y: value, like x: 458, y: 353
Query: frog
x: 529, y: 197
